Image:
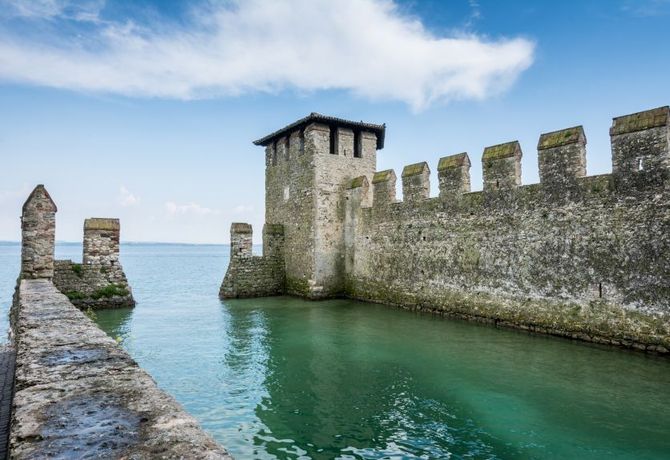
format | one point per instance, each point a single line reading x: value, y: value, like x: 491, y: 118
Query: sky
x: 146, y: 110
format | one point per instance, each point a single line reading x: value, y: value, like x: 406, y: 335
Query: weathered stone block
x: 416, y: 182
x: 502, y: 166
x: 641, y: 147
x: 454, y: 175
x: 38, y: 235
x: 562, y: 158
x: 383, y: 188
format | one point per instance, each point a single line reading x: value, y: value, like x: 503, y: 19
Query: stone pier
x: 77, y: 393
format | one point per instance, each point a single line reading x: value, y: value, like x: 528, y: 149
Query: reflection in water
x: 286, y: 378
x: 116, y: 323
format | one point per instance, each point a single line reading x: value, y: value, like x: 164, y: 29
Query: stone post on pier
x: 38, y: 235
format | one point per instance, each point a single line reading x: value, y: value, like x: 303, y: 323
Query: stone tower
x: 308, y: 165
x: 38, y: 235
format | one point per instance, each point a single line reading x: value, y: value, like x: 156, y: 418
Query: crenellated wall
x: 584, y: 257
x: 581, y: 256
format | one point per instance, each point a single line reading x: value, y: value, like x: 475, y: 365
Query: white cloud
x: 194, y: 209
x: 243, y: 209
x: 365, y: 46
x: 126, y: 198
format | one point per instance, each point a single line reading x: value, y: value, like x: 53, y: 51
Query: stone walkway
x: 7, y: 363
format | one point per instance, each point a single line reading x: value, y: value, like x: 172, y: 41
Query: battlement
x: 383, y: 187
x: 640, y: 152
x: 416, y: 181
x: 454, y: 175
x: 641, y: 148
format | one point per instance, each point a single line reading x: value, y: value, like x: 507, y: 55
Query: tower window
x: 274, y: 153
x: 301, y: 141
x: 333, y: 140
x: 640, y: 164
x: 357, y: 145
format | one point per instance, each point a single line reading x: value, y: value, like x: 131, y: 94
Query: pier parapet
x: 38, y: 235
x: 98, y: 282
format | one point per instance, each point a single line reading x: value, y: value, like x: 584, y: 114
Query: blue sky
x: 146, y: 110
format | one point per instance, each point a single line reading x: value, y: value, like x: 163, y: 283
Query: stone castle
x: 580, y: 256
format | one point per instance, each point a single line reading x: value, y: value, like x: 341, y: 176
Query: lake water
x: 285, y: 378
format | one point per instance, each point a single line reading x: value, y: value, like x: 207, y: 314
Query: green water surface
x: 286, y: 378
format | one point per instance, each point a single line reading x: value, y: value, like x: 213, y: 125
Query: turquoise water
x: 284, y: 378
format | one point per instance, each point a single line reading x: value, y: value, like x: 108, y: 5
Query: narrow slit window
x: 301, y: 141
x: 333, y: 140
x: 640, y: 164
x: 357, y: 144
x: 274, y: 154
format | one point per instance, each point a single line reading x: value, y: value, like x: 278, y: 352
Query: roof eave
x: 379, y: 130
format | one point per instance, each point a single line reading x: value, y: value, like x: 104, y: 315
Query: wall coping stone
x: 506, y: 150
x: 383, y: 176
x: 453, y: 161
x: 101, y: 223
x: 358, y: 182
x: 415, y: 169
x: 641, y: 121
x: 562, y: 137
x: 239, y: 227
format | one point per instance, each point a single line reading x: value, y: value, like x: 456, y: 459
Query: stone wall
x: 99, y: 281
x: 38, y: 235
x: 78, y: 392
x: 583, y: 257
x: 253, y: 276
